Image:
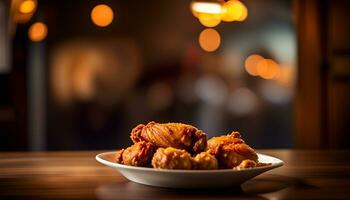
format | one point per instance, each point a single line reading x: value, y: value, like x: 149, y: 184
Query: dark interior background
x: 85, y: 87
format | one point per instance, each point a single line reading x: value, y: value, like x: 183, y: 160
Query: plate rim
x: 278, y: 163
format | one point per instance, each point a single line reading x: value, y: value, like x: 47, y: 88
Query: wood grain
x: 76, y: 175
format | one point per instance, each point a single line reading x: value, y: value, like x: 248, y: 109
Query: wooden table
x: 76, y: 175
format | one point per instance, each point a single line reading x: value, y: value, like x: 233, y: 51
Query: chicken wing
x: 140, y: 154
x: 204, y: 161
x: 177, y: 135
x: 230, y: 150
x: 171, y: 158
x: 232, y: 138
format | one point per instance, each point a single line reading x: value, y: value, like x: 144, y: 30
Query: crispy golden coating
x: 232, y: 138
x: 260, y: 164
x: 171, y: 158
x: 245, y: 164
x: 140, y: 154
x: 177, y: 135
x: 231, y: 155
x: 205, y: 161
x: 119, y: 156
x: 230, y: 150
x: 170, y: 145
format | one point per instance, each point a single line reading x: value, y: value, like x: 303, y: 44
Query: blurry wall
x: 148, y: 65
x: 88, y: 86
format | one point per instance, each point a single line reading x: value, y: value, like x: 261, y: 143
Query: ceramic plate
x: 188, y: 178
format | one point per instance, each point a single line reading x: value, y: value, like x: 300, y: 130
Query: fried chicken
x: 204, y: 161
x: 119, y: 156
x: 230, y: 150
x: 171, y: 158
x: 245, y: 164
x: 140, y: 154
x: 177, y: 135
x: 232, y: 138
x: 171, y: 146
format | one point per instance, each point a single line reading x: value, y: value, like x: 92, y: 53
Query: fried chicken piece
x: 245, y: 164
x: 177, y: 135
x: 205, y: 161
x: 171, y: 158
x: 231, y: 155
x: 260, y: 164
x: 232, y: 138
x: 140, y: 154
x: 119, y: 156
x: 230, y: 150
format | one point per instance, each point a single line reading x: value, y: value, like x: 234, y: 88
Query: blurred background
x: 79, y: 75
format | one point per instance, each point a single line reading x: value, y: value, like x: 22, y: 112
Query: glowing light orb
x: 209, y: 40
x: 209, y: 20
x: 102, y: 15
x: 268, y: 69
x: 37, y: 32
x: 251, y: 64
x: 27, y: 6
x: 233, y: 10
x: 205, y: 8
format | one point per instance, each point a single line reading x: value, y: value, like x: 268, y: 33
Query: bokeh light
x: 27, y: 6
x: 83, y: 79
x: 275, y: 93
x: 251, y: 64
x: 37, y: 32
x: 86, y: 71
x: 209, y: 20
x: 242, y: 101
x: 209, y: 40
x: 211, y: 89
x: 102, y: 15
x: 233, y: 10
x: 205, y: 8
x: 268, y: 69
x: 244, y: 13
x: 286, y: 76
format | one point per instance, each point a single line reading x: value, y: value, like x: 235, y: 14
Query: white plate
x: 188, y: 178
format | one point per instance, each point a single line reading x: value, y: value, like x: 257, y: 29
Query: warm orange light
x: 37, y: 32
x: 285, y: 76
x: 244, y: 14
x: 209, y: 20
x: 268, y: 69
x: 102, y: 15
x: 274, y: 69
x: 262, y: 67
x: 27, y: 6
x: 251, y: 64
x: 233, y: 10
x: 209, y: 40
x: 205, y: 8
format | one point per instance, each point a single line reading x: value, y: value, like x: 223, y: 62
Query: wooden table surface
x: 76, y: 175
